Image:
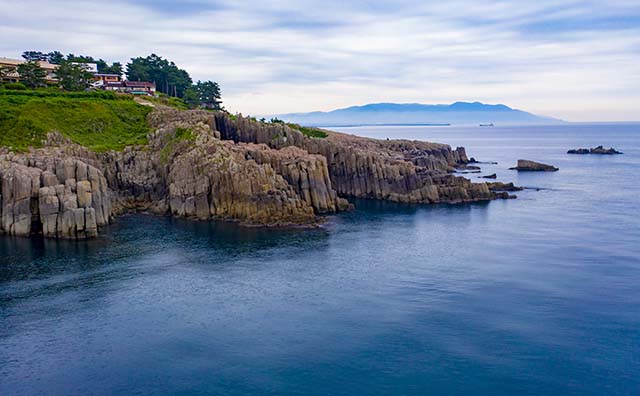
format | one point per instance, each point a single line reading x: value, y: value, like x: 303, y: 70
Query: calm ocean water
x: 534, y: 296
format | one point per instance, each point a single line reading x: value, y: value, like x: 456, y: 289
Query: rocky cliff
x: 206, y: 165
x: 396, y: 170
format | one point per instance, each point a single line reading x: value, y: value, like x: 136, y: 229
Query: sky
x: 574, y: 60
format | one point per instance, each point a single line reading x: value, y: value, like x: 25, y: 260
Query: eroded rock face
x: 42, y: 193
x: 205, y: 165
x: 395, y: 170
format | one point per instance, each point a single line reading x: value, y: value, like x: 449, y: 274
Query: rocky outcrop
x: 595, y: 150
x: 532, y: 166
x: 579, y: 151
x: 395, y: 170
x: 204, y: 165
x: 43, y: 193
x: 500, y: 186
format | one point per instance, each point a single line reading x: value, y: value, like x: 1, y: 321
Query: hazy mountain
x: 415, y: 113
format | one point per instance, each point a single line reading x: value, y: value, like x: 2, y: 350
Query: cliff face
x: 211, y: 166
x: 43, y: 193
x: 396, y: 170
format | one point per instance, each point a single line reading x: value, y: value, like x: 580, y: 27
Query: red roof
x: 140, y: 84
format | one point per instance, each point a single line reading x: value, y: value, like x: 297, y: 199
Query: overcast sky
x: 576, y: 60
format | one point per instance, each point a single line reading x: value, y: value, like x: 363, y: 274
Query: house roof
x: 141, y: 84
x: 16, y: 62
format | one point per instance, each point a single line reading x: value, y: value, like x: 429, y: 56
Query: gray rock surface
x: 222, y: 167
x: 532, y: 166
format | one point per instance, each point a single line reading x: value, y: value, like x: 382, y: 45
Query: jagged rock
x: 397, y: 170
x: 500, y: 186
x: 579, y: 151
x: 602, y: 150
x: 41, y: 195
x: 595, y: 150
x: 222, y: 168
x: 526, y: 165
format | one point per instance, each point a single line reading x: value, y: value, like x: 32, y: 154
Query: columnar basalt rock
x: 217, y: 181
x: 44, y: 194
x: 204, y: 165
x: 396, y: 170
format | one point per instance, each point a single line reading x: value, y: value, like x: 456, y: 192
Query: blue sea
x: 534, y: 296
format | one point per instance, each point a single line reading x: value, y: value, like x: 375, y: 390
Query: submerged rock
x: 492, y: 176
x: 526, y: 165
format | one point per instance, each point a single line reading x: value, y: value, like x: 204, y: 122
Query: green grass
x: 180, y: 135
x: 308, y: 132
x: 166, y: 100
x: 99, y: 120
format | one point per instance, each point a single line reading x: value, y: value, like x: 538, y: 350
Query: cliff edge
x: 203, y: 165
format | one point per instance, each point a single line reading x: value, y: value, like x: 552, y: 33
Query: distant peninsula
x: 458, y: 113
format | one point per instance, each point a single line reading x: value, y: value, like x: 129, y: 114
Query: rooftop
x: 16, y: 62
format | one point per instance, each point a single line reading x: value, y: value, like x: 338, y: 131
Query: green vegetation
x: 169, y: 79
x: 73, y: 76
x: 308, y: 132
x: 99, y: 120
x: 204, y: 94
x: 181, y: 135
x: 31, y: 74
x: 167, y: 100
x: 57, y: 58
x: 17, y: 86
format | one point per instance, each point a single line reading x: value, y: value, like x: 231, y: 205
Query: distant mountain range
x: 418, y: 114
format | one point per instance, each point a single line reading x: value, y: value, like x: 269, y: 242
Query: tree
x: 55, y: 57
x: 204, y: 94
x: 169, y: 79
x: 192, y: 97
x: 34, y: 56
x: 115, y: 68
x: 31, y: 74
x: 73, y: 77
x: 80, y: 58
x: 210, y: 95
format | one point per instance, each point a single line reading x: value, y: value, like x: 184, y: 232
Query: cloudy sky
x: 576, y: 60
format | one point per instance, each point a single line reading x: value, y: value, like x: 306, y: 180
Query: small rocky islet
x: 211, y: 165
x: 532, y: 166
x: 601, y: 150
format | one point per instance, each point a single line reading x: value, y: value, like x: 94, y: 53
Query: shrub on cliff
x: 308, y: 131
x: 15, y: 86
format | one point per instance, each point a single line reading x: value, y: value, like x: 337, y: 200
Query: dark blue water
x: 534, y: 296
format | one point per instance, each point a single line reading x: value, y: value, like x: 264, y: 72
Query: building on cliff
x: 11, y: 65
x: 132, y: 87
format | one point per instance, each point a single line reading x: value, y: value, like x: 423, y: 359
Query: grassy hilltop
x: 99, y: 120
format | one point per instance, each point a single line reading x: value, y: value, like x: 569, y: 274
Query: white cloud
x: 570, y: 59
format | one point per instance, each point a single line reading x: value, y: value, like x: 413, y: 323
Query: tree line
x: 73, y: 76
